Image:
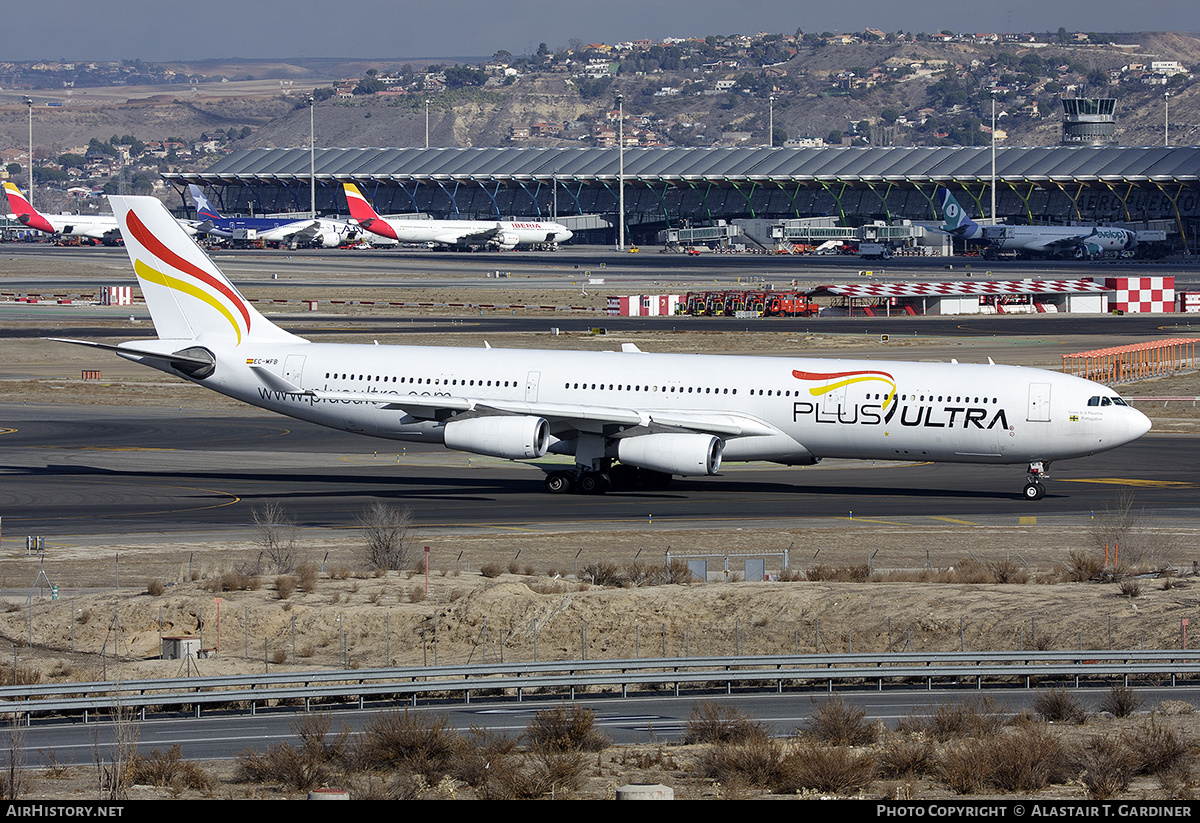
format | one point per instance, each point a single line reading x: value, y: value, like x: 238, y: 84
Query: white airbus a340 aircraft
x: 627, y: 417
x: 493, y: 234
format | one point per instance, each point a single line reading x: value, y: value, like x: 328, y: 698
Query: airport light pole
x: 994, y: 156
x: 312, y: 155
x: 426, y: 122
x: 771, y: 121
x: 620, y: 172
x: 1166, y: 118
x: 29, y: 103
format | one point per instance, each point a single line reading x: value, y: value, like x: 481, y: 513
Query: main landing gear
x: 1034, y: 490
x: 617, y: 478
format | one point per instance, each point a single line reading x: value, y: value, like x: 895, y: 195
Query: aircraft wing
x: 299, y: 230
x: 463, y: 238
x: 1060, y: 243
x: 562, y: 416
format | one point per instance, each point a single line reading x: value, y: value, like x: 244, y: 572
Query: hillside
x: 701, y: 93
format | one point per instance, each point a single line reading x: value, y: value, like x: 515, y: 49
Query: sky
x: 377, y: 29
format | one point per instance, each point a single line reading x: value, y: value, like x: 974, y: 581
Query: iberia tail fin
x: 364, y: 213
x: 24, y: 211
x: 188, y: 296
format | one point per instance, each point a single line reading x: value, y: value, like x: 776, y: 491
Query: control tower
x: 1089, y: 121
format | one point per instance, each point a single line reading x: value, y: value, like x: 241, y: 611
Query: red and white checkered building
x: 1141, y: 295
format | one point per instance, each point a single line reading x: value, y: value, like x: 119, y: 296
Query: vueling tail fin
x: 188, y: 296
x: 204, y: 209
x: 366, y: 216
x: 954, y: 219
x: 24, y: 211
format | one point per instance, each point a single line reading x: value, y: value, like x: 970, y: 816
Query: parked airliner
x: 306, y: 231
x: 1080, y: 241
x: 629, y: 418
x: 493, y: 234
x: 102, y: 227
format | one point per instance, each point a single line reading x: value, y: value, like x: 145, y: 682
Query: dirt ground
x: 537, y: 584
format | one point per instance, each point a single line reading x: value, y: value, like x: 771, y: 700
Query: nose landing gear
x: 1034, y: 490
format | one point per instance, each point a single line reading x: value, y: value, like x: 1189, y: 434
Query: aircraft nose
x: 1138, y: 424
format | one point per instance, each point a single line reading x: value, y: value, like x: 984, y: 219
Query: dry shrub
x: 168, y: 769
x: 947, y: 721
x: 513, y: 567
x: 1157, y: 746
x: 640, y: 573
x: 1027, y: 760
x: 961, y: 766
x: 1008, y: 571
x: 155, y: 587
x: 905, y: 755
x: 307, y: 576
x: 757, y: 761
x: 1057, y: 705
x: 1177, y: 783
x: 843, y: 574
x: 233, y: 582
x: 1106, y: 767
x: 711, y: 722
x: 1083, y: 566
x: 310, y: 765
x: 386, y: 532
x: 832, y: 769
x: 275, y: 534
x: 677, y: 573
x: 603, y: 573
x: 1021, y: 760
x: 410, y: 742
x: 490, y: 764
x: 285, y: 586
x: 1130, y: 587
x: 838, y: 723
x: 1120, y: 701
x: 566, y: 729
x: 491, y: 570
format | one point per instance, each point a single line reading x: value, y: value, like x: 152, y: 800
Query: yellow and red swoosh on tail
x: 152, y: 244
x: 846, y: 378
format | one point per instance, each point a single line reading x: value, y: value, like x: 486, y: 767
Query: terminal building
x: 678, y: 189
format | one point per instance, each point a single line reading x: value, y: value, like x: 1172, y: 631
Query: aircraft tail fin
x: 24, y: 211
x: 364, y: 213
x: 188, y: 296
x: 954, y: 218
x: 204, y: 209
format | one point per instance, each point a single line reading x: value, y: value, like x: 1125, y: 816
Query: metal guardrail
x: 676, y: 673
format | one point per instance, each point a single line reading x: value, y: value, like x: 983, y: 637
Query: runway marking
x: 233, y: 499
x: 869, y: 520
x: 952, y: 520
x: 7, y: 431
x: 1129, y: 481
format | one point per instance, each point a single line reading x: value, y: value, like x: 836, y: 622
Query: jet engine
x: 683, y: 454
x: 506, y: 240
x: 514, y: 438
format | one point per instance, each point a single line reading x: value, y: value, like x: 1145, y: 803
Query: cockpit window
x: 1119, y: 401
x: 1094, y: 401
